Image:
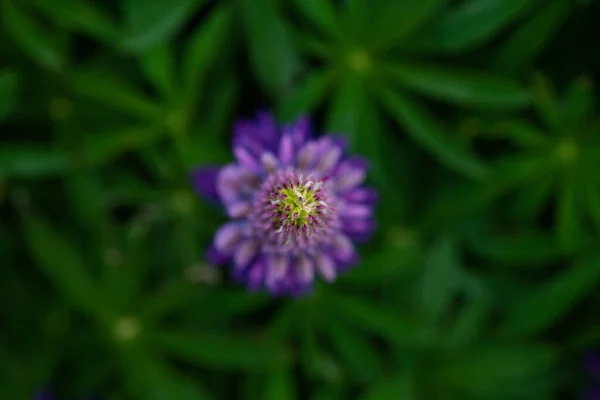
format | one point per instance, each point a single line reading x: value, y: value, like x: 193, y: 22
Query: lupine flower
x: 296, y: 205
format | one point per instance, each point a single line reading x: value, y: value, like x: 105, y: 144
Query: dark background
x: 479, y: 118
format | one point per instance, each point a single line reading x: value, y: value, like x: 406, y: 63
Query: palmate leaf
x: 570, y: 230
x: 526, y: 249
x: 354, y: 351
x: 468, y: 24
x: 441, y: 277
x: 41, y: 45
x: 397, y: 20
x: 63, y: 266
x: 9, y: 92
x: 153, y: 23
x: 469, y: 88
x: 111, y: 91
x: 220, y: 350
x: 158, y: 64
x: 20, y: 161
x: 203, y: 46
x: 148, y: 377
x: 307, y: 95
x: 495, y: 371
x: 422, y: 128
x: 520, y: 49
x: 82, y: 16
x: 280, y: 385
x: 274, y: 58
x: 399, y: 329
x: 323, y: 15
x: 544, y: 305
x: 399, y: 386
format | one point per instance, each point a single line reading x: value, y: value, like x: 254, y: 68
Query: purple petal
x: 227, y: 237
x: 256, y: 275
x: 340, y: 141
x: 267, y: 128
x: 301, y: 130
x: 356, y: 211
x: 244, y: 254
x: 362, y: 195
x: 246, y: 136
x: 245, y: 159
x: 343, y: 249
x: 351, y: 173
x: 286, y: 149
x: 329, y: 158
x: 204, y: 180
x: 326, y: 267
x: 358, y: 230
x: 230, y: 181
x: 215, y: 257
x: 305, y: 270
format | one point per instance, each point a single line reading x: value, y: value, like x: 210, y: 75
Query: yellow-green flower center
x: 298, y: 206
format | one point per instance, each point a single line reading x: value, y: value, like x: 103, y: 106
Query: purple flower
x: 296, y: 205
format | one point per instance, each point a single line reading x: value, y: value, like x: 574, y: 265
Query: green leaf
x: 470, y: 323
x: 468, y: 88
x: 357, y: 17
x: 592, y: 197
x: 354, y: 351
x: 391, y: 263
x: 62, y: 264
x: 577, y: 105
x: 520, y: 132
x: 469, y: 24
x: 307, y: 96
x: 82, y: 16
x: 521, y: 48
x: 545, y: 102
x: 38, y: 43
x: 151, y: 23
x: 112, y: 92
x: 203, y: 46
x: 159, y: 66
x: 546, y: 304
x: 519, y: 249
x: 280, y: 385
x: 152, y: 379
x: 570, y: 230
x: 509, y: 173
x: 494, y: 370
x: 529, y: 205
x: 220, y: 350
x: 19, y: 161
x: 425, y: 131
x: 400, y: 386
x: 9, y: 87
x: 397, y: 20
x: 103, y: 147
x: 395, y: 327
x: 322, y: 13
x: 87, y: 201
x: 440, y: 279
x: 272, y: 54
x: 345, y: 111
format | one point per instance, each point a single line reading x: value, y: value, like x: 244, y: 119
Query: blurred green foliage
x: 479, y: 118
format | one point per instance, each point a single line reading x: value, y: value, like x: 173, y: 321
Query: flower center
x: 299, y: 206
